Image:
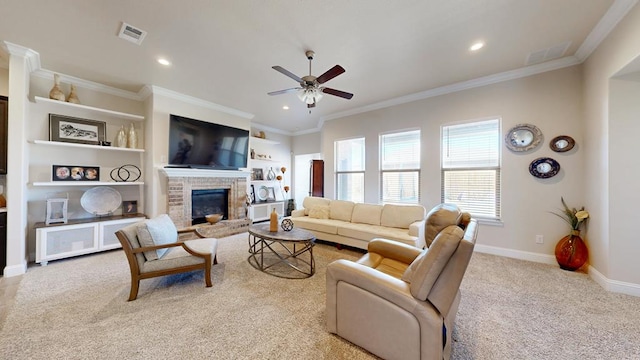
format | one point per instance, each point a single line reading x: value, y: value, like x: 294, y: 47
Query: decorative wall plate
x: 262, y: 193
x: 101, y: 200
x: 544, y: 168
x: 562, y: 143
x: 523, y: 137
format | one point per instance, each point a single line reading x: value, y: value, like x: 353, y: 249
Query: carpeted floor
x: 511, y: 309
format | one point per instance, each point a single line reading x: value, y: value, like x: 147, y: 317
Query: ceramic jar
x: 56, y: 93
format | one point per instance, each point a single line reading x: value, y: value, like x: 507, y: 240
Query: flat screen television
x: 201, y: 144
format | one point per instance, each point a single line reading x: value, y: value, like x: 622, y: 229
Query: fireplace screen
x: 209, y: 201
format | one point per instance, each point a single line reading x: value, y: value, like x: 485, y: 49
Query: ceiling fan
x: 310, y: 90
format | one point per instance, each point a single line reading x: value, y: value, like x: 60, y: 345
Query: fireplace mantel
x: 186, y: 172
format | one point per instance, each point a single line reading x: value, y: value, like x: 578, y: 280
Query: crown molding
x: 460, y: 86
x: 196, y: 101
x: 617, y: 11
x: 32, y: 57
x: 264, y: 127
x: 309, y: 131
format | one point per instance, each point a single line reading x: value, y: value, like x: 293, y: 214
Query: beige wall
x: 4, y: 81
x: 606, y: 183
x: 552, y: 101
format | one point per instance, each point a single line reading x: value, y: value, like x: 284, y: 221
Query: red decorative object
x: 571, y: 252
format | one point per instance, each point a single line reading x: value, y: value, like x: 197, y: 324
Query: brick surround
x: 179, y: 196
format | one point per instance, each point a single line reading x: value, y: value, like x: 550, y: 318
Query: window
x: 471, y: 167
x: 400, y: 167
x: 350, y: 169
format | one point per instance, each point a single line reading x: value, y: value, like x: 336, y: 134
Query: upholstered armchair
x: 153, y: 249
x: 398, y: 301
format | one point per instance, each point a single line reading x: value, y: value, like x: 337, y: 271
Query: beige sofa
x: 400, y: 302
x: 355, y: 224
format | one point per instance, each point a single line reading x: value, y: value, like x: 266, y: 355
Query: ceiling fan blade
x: 330, y: 74
x: 342, y: 94
x: 287, y: 72
x: 285, y: 91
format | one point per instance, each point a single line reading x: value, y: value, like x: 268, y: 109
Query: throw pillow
x: 319, y: 212
x: 157, y: 231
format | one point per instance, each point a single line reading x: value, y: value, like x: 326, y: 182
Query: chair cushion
x: 401, y: 216
x: 366, y: 214
x: 341, y: 210
x: 406, y: 276
x: 438, y: 218
x: 428, y: 268
x: 157, y: 231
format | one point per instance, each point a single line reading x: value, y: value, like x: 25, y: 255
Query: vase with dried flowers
x: 571, y: 251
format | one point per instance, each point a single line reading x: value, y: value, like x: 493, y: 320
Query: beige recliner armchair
x: 400, y: 302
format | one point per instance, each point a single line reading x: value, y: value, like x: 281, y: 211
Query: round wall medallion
x: 544, y: 168
x: 523, y: 137
x: 562, y: 143
x: 287, y: 224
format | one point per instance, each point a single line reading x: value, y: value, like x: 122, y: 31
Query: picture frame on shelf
x: 257, y: 174
x: 76, y: 130
x: 75, y: 173
x: 56, y: 212
x: 271, y: 194
x: 129, y: 207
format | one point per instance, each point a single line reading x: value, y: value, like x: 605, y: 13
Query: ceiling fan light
x: 309, y: 95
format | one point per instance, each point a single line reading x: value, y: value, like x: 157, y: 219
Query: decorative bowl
x: 213, y: 218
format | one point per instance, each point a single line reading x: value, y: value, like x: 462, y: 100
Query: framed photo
x: 129, y: 207
x: 75, y: 173
x: 56, y: 211
x: 256, y: 174
x: 271, y: 194
x: 76, y: 130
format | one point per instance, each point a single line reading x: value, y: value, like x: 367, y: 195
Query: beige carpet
x: 77, y: 309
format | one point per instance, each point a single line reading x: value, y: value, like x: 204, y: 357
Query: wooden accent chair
x: 165, y: 254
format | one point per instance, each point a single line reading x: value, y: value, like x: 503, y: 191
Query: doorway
x: 302, y: 177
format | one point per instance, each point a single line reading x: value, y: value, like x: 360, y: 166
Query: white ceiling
x: 222, y: 51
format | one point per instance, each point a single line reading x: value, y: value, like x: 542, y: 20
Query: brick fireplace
x: 181, y: 185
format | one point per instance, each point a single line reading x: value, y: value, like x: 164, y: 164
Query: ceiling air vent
x: 547, y: 54
x: 131, y: 33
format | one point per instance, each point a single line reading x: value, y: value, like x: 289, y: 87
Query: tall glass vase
x: 571, y: 252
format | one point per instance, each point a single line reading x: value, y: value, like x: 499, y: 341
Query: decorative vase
x: 121, y: 138
x: 133, y: 137
x: 73, y: 97
x: 273, y: 221
x: 571, y: 252
x: 56, y: 93
x: 271, y: 174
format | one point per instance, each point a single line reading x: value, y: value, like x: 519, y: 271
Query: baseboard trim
x: 516, y: 254
x: 15, y: 270
x: 608, y: 284
x: 614, y: 285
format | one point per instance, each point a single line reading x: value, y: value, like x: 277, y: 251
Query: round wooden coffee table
x: 276, y: 253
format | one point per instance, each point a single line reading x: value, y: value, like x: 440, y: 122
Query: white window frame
x: 493, y: 163
x: 400, y: 168
x: 338, y: 172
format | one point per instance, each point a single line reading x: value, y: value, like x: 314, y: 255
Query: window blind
x: 349, y: 169
x: 400, y: 167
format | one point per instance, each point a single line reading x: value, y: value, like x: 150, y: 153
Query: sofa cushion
x: 341, y: 210
x: 157, y: 231
x: 326, y: 226
x: 312, y: 201
x: 319, y: 212
x: 368, y: 232
x: 401, y: 216
x: 366, y: 214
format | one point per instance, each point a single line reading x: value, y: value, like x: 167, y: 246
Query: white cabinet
x: 78, y: 237
x: 262, y: 211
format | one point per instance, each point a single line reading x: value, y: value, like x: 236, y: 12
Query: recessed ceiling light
x: 285, y: 107
x: 477, y: 46
x: 164, y: 61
